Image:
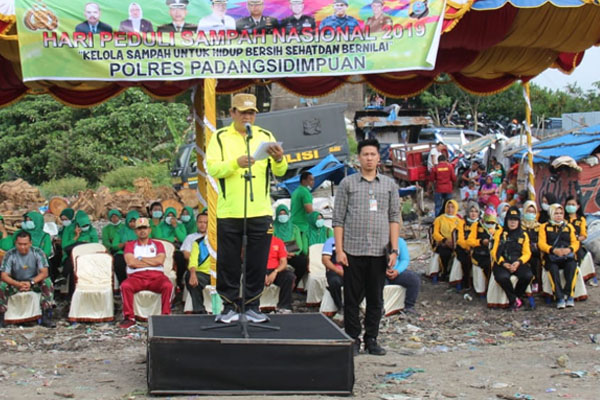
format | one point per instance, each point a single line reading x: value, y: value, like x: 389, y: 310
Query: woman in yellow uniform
x: 445, y: 234
x: 532, y: 227
x: 558, y: 243
x: 510, y: 255
x: 463, y: 250
x: 481, y: 240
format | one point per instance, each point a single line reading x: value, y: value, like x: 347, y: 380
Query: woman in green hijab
x: 124, y: 235
x: 317, y: 231
x: 292, y: 237
x: 34, y: 224
x: 173, y: 231
x: 187, y: 219
x: 109, y: 232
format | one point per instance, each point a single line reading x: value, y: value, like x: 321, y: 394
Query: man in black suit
x: 178, y: 12
x: 135, y: 23
x: 256, y: 20
x: 92, y: 23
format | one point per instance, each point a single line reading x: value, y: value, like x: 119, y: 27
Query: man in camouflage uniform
x: 25, y: 268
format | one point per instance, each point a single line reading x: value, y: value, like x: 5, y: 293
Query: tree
x: 42, y: 139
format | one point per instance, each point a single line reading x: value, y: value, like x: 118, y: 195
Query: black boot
x: 47, y: 319
x: 2, y: 325
x: 372, y: 347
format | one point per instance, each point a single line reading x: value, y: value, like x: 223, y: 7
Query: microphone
x: 248, y: 130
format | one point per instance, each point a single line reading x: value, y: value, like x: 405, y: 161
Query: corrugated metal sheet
x: 575, y: 121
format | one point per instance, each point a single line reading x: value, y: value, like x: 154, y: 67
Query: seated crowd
x: 504, y: 240
x: 511, y: 239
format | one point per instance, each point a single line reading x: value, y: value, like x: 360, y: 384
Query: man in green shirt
x: 302, y: 201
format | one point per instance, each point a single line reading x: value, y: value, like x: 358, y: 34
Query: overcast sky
x: 585, y: 74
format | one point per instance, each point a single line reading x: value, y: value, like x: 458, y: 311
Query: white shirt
x: 146, y: 251
x: 189, y: 241
x: 433, y: 153
x: 214, y: 23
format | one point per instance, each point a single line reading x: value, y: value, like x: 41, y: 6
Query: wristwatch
x: 394, y: 251
x: 32, y: 282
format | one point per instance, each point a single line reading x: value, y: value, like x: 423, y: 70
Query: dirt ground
x: 456, y: 348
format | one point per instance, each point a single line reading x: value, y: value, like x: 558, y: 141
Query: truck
x: 309, y: 134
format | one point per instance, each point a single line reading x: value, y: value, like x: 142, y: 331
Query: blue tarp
x: 328, y: 169
x: 577, y: 145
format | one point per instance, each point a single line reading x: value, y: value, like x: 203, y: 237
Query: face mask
x: 115, y: 223
x: 85, y: 228
x: 489, y: 225
x: 529, y: 217
x: 186, y: 218
x: 320, y: 223
x: 157, y: 214
x: 571, y: 209
x: 545, y: 206
x: 168, y: 220
x: 469, y: 220
x: 28, y: 225
x: 502, y: 216
x: 501, y: 222
x: 66, y: 223
x: 283, y: 219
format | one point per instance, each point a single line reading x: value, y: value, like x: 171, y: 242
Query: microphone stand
x: 243, y: 322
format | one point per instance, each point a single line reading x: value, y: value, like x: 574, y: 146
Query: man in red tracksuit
x: 443, y: 177
x: 145, y: 260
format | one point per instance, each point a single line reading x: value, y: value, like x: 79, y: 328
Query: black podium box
x: 308, y: 355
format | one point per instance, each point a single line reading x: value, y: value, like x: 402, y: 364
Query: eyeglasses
x: 141, y: 227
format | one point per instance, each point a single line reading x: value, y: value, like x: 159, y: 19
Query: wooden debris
x: 188, y: 197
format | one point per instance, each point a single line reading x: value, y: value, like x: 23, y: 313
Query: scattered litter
x: 562, y: 361
x: 550, y: 390
x: 572, y: 374
x: 523, y: 396
x: 405, y: 374
x: 499, y: 385
x: 507, y: 334
x: 397, y: 397
x: 595, y: 338
x: 65, y: 395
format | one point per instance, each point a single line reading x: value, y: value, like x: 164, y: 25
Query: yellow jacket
x: 548, y: 233
x: 225, y: 147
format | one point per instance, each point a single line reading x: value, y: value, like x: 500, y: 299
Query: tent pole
x: 531, y: 180
x: 205, y: 119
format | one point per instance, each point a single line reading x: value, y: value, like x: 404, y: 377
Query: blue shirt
x: 342, y: 22
x: 403, y: 256
x: 329, y: 249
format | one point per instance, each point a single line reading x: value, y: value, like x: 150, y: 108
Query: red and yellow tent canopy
x: 486, y: 45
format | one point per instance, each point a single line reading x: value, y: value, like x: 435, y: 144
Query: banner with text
x: 183, y: 39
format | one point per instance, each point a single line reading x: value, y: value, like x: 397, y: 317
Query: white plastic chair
x: 147, y: 303
x: 188, y: 306
x: 456, y: 272
x: 496, y: 297
x: 316, y: 282
x: 393, y: 301
x: 479, y: 279
x: 587, y: 267
x: 92, y: 300
x: 269, y: 298
x: 87, y: 248
x: 23, y: 307
x: 580, y: 290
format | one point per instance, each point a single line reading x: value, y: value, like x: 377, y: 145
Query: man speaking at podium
x: 227, y: 162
